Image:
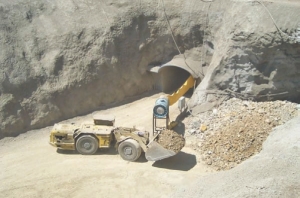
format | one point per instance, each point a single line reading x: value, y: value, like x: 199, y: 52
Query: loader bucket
x: 156, y: 152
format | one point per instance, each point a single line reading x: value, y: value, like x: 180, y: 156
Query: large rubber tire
x: 87, y: 145
x: 130, y: 150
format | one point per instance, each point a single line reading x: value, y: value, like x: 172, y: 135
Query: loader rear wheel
x: 87, y: 145
x: 130, y: 150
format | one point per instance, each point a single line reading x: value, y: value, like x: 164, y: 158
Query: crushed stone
x: 171, y: 140
x: 236, y: 130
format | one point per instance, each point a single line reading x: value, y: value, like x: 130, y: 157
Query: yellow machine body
x: 189, y: 83
x: 88, y: 137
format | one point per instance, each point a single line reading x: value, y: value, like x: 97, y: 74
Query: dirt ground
x: 30, y: 167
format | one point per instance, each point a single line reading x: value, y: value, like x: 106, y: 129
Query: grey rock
x: 192, y: 131
x: 59, y: 60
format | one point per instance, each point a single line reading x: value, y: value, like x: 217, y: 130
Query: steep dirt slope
x: 60, y: 59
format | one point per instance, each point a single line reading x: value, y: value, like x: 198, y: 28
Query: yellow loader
x: 87, y: 138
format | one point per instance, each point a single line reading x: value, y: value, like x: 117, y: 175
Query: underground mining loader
x: 87, y: 138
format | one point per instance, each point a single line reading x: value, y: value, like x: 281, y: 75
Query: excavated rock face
x: 63, y: 58
x: 252, y: 59
x: 266, y: 72
x: 60, y: 59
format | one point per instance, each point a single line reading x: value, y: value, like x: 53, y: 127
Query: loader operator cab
x: 106, y: 120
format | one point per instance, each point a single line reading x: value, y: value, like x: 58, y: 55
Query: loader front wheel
x: 130, y: 150
x: 87, y: 145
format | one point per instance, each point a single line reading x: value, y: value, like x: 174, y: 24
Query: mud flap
x: 156, y: 152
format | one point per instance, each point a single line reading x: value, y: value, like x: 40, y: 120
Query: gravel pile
x: 236, y: 130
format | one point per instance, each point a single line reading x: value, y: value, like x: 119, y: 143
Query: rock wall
x: 252, y: 59
x: 60, y: 59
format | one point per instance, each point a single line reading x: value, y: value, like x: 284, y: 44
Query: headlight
x: 161, y: 108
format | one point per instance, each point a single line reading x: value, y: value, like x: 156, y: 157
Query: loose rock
x: 236, y: 133
x: 171, y: 140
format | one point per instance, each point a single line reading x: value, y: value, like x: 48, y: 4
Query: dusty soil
x: 171, y: 140
x: 30, y: 167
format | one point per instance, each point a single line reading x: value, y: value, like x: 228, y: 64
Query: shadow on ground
x: 142, y: 159
x: 108, y: 151
x: 180, y: 127
x: 182, y: 161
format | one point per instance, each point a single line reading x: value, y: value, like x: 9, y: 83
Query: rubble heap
x: 237, y: 129
x: 171, y: 140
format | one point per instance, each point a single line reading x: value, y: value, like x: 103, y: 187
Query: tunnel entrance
x: 172, y: 78
x: 176, y: 72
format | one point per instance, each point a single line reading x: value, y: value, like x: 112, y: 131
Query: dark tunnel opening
x: 172, y: 78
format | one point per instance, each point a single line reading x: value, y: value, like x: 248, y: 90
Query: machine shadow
x: 66, y: 152
x: 106, y: 151
x: 142, y: 159
x: 180, y: 127
x: 182, y: 115
x: 182, y: 161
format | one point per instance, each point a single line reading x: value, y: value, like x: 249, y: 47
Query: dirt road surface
x: 30, y: 167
